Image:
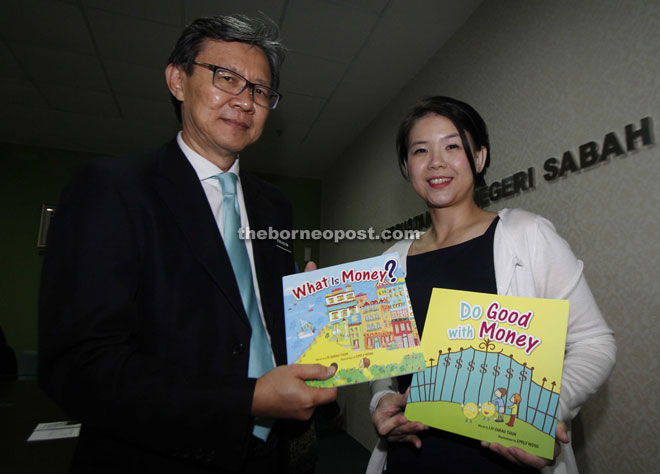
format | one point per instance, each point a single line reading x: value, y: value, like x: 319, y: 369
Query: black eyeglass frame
x: 214, y: 68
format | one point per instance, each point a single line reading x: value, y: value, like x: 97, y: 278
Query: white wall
x: 547, y: 76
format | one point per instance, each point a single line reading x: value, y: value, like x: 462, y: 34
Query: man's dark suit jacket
x: 143, y: 336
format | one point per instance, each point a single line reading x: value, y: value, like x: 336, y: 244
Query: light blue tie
x: 261, y: 358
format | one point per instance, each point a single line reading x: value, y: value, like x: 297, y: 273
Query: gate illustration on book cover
x: 488, y: 379
x: 455, y: 376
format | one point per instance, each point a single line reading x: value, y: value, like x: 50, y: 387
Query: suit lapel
x: 261, y: 212
x: 178, y: 186
x: 257, y: 210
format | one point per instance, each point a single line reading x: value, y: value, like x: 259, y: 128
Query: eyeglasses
x: 233, y: 83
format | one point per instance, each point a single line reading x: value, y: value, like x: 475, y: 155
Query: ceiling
x: 88, y: 74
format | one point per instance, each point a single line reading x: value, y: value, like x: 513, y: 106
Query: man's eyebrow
x: 258, y: 80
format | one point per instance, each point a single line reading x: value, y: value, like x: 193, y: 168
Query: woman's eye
x: 452, y: 146
x: 419, y: 151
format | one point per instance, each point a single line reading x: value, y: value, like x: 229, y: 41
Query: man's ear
x: 174, y: 77
x: 480, y: 159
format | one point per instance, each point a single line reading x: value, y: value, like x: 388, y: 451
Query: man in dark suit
x: 159, y: 330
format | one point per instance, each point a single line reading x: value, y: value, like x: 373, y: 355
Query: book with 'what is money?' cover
x: 493, y: 367
x: 356, y: 316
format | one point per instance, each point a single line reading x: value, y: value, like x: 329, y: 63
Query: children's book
x: 493, y: 368
x: 357, y: 317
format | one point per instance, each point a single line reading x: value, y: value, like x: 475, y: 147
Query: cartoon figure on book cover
x: 482, y: 351
x: 499, y: 403
x: 487, y: 410
x: 470, y: 410
x: 357, y: 316
x: 515, y: 399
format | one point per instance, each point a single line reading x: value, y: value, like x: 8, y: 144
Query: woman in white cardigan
x: 443, y: 150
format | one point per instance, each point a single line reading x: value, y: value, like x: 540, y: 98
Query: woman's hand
x: 519, y: 456
x: 389, y: 421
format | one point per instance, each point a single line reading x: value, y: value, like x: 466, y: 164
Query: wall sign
x: 588, y: 155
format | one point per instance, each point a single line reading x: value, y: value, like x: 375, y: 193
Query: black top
x: 468, y: 266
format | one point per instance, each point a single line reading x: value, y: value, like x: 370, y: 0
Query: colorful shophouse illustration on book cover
x: 357, y: 316
x: 493, y: 368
